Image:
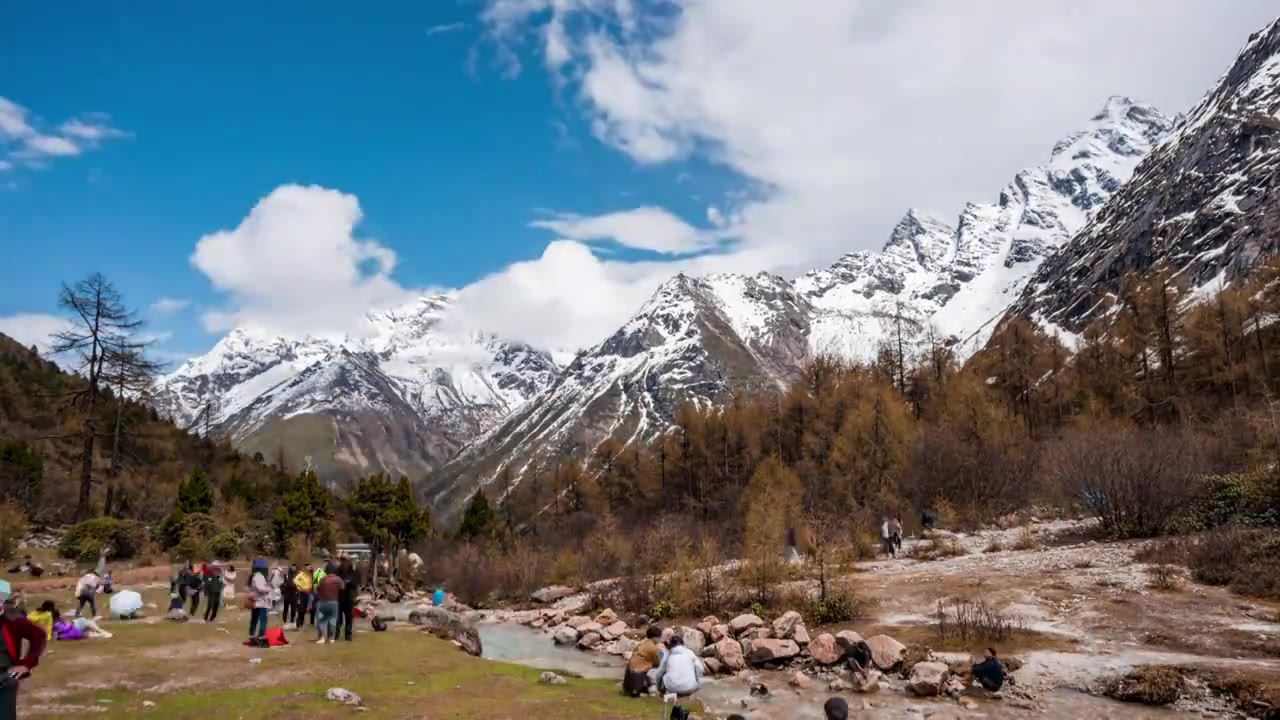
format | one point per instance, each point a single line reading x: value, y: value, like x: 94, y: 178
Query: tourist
x: 347, y: 599
x: 316, y: 577
x: 328, y: 593
x: 639, y: 675
x: 895, y: 534
x: 928, y: 520
x: 681, y: 670
x: 288, y: 594
x: 990, y: 672
x: 76, y: 628
x: 229, y: 587
x: 856, y: 654
x: 836, y: 709
x: 213, y: 587
x: 304, y: 583
x: 45, y: 616
x: 15, y: 666
x: 86, y: 592
x: 260, y: 600
x: 189, y: 585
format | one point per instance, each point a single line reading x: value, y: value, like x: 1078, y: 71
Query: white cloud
x: 840, y: 115
x: 295, y: 265
x: 33, y: 328
x: 5, y: 165
x: 445, y: 28
x: 32, y: 147
x: 91, y: 127
x: 13, y: 119
x: 645, y: 228
x: 51, y: 145
x: 168, y: 305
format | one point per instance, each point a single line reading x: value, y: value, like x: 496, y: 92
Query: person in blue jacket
x: 437, y: 597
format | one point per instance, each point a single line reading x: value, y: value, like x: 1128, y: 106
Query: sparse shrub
x: 566, y: 568
x: 1246, y: 560
x: 178, y: 526
x: 661, y: 610
x: 1083, y: 564
x: 994, y: 546
x: 840, y: 605
x: 1164, y: 576
x: 1147, y: 684
x: 936, y: 548
x: 190, y: 549
x: 1026, y: 540
x: 125, y: 538
x: 13, y: 527
x: 973, y: 621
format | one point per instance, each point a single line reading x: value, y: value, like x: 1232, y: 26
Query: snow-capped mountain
x: 400, y: 399
x: 1205, y: 204
x: 960, y: 278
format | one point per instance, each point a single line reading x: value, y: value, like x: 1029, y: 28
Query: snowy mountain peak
x: 921, y: 238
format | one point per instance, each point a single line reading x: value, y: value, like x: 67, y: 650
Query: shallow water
x: 722, y: 696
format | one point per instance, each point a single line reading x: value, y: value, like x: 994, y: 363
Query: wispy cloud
x: 26, y: 140
x: 446, y: 28
x: 33, y: 328
x: 168, y: 305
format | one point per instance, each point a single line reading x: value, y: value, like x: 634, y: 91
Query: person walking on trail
x: 87, y: 591
x: 347, y: 599
x: 15, y: 666
x: 681, y: 670
x: 305, y: 584
x: 260, y: 597
x: 288, y: 594
x: 328, y: 593
x: 990, y: 672
x: 213, y: 587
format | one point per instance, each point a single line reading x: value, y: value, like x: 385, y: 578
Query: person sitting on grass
x: 638, y: 677
x: 76, y: 628
x: 990, y: 672
x: 44, y: 617
x: 681, y: 670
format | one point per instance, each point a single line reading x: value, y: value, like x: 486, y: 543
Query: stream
x: 722, y: 696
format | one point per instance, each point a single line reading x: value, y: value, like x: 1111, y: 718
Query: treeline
x: 1172, y: 388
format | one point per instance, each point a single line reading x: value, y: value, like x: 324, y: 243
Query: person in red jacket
x: 17, y: 661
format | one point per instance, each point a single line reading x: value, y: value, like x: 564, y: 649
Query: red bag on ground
x: 274, y: 637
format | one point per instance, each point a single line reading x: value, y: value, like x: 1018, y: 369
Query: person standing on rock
x: 639, y: 675
x: 990, y: 672
x: 681, y: 670
x: 304, y: 583
x: 260, y: 599
x: 328, y: 594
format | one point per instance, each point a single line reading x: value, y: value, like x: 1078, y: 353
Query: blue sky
x: 647, y: 138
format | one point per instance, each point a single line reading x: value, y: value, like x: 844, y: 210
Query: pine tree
x: 195, y: 495
x: 21, y: 474
x: 305, y: 509
x: 479, y: 521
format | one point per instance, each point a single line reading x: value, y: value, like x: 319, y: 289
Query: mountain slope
x: 960, y: 278
x: 402, y: 399
x: 696, y: 340
x: 1205, y: 204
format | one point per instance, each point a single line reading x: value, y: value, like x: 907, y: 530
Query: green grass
x: 189, y: 670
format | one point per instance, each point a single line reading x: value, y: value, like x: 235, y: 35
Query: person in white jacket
x: 681, y: 669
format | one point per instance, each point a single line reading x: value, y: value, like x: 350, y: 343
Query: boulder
x: 760, y: 633
x: 771, y: 650
x: 591, y: 627
x: 824, y: 651
x: 577, y: 621
x: 538, y: 623
x: 929, y: 679
x: 954, y: 687
x: 564, y: 635
x: 590, y: 640
x: 718, y: 632
x: 801, y: 635
x: 666, y: 636
x: 801, y: 681
x: 448, y: 625
x: 743, y: 623
x: 730, y: 654
x: 886, y: 652
x: 607, y: 618
x: 839, y: 685
x: 705, y: 624
x: 865, y: 683
x: 784, y: 627
x: 849, y: 637
x: 551, y: 594
x: 693, y: 639
x: 614, y: 631
x: 574, y: 604
x: 343, y: 696
x: 916, y: 654
x: 550, y: 678
x: 623, y: 646
x: 713, y: 666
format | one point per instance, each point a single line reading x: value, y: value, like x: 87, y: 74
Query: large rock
x: 867, y: 682
x: 929, y: 679
x: 577, y: 621
x: 614, y: 631
x: 591, y: 627
x: 607, y: 617
x: 448, y: 625
x: 590, y: 640
x: 801, y: 681
x: 551, y: 594
x: 772, y: 650
x: 916, y: 654
x: 713, y: 666
x: 729, y: 652
x: 693, y: 639
x: 705, y: 624
x: 848, y: 638
x: 743, y: 623
x: 886, y: 652
x: 550, y: 678
x: 718, y: 632
x: 800, y: 635
x: 564, y: 635
x: 785, y: 626
x: 824, y: 651
x: 343, y: 696
x: 760, y: 633
x: 623, y: 646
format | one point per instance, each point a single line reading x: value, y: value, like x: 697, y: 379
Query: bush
x: 840, y: 605
x: 125, y: 538
x: 191, y: 548
x: 225, y: 546
x: 1251, y: 500
x: 1246, y: 560
x: 973, y: 621
x: 13, y: 527
x: 179, y: 526
x: 1147, y: 684
x: 936, y: 548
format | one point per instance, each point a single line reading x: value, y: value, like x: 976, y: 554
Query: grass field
x: 171, y: 670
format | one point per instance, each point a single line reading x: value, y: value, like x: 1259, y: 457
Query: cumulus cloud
x: 295, y: 265
x: 33, y: 328
x: 839, y: 114
x: 168, y: 305
x: 22, y: 140
x: 643, y: 228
